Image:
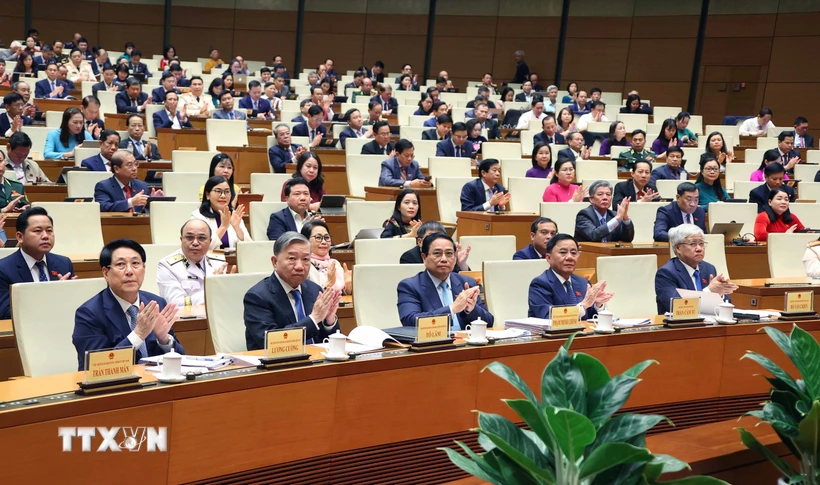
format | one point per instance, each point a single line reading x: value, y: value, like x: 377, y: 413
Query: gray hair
x: 279, y: 126
x: 519, y: 52
x: 679, y: 233
x: 286, y: 240
x: 597, y: 185
x: 430, y: 227
x: 15, y: 45
x: 552, y: 86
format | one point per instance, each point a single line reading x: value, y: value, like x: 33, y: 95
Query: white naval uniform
x: 177, y: 278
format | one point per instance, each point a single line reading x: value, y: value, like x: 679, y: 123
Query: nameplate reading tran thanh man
x: 109, y: 365
x: 285, y: 343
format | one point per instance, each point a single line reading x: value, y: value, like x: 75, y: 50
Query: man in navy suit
x: 283, y: 151
x: 111, y: 192
x: 381, y: 145
x: 575, y: 150
x: 108, y: 81
x: 354, y: 127
x: 13, y: 119
x: 170, y: 117
x: 482, y: 114
x: 34, y: 261
x: 385, y: 98
x: 101, y: 162
x: 688, y: 270
x: 684, y: 210
x: 91, y: 113
x: 401, y: 170
x: 254, y: 102
x: 413, y: 256
x: 122, y: 315
x: 558, y: 286
x: 132, y: 100
x: 673, y: 169
x: 637, y: 188
x: 169, y: 83
x: 287, y: 299
x: 136, y: 66
x: 598, y: 223
x: 802, y: 138
x: 549, y: 136
x: 773, y: 178
x: 142, y: 149
x: 788, y: 156
x: 485, y: 193
x: 52, y: 86
x: 541, y: 231
x: 296, y: 214
x: 438, y: 291
x: 313, y: 127
x: 455, y: 146
x: 444, y: 126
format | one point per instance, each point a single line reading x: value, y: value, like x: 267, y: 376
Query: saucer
x: 171, y: 380
x: 604, y: 332
x: 336, y: 358
x: 722, y: 321
x: 471, y: 341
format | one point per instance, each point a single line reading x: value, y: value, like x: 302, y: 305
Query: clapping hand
x: 623, y: 211
x: 721, y: 285
x: 414, y: 228
x: 164, y: 321
x: 649, y: 195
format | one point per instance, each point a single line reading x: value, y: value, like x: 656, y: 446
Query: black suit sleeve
x: 620, y: 194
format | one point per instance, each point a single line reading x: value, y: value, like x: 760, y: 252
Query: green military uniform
x: 11, y: 189
x: 632, y: 156
x: 62, y: 59
x: 359, y: 92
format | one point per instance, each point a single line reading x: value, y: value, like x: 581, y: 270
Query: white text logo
x: 116, y: 438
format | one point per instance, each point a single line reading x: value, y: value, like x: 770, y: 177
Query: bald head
x: 124, y: 166
x: 195, y: 236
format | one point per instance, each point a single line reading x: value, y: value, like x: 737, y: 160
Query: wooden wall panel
x: 665, y: 27
x: 394, y: 51
x: 188, y: 41
x: 660, y: 60
x: 587, y: 59
x: 345, y: 50
x: 270, y: 21
x: 783, y: 67
x: 257, y: 45
x: 795, y: 24
x: 599, y: 27
x: 740, y: 26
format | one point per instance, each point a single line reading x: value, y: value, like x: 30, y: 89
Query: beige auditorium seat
x: 809, y: 214
x: 423, y: 150
x: 643, y: 216
x: 633, y: 122
x: 665, y: 112
x: 714, y: 254
x: 269, y: 184
x: 375, y: 292
x: 588, y: 171
x: 224, y: 306
x: 183, y: 185
x: 563, y: 214
x: 413, y: 133
x: 81, y: 154
x: 167, y: 218
x: 260, y: 218
x: 418, y: 120
x: 506, y: 287
x: 696, y: 124
x: 785, y: 253
x: 448, y: 196
x: 153, y: 254
x: 353, y: 146
x: 766, y: 142
x: 669, y: 188
x: 38, y: 136
x: 449, y: 167
x: 754, y: 155
x: 733, y: 212
x: 81, y: 184
x: 527, y: 141
x: 554, y: 149
x: 382, y: 251
x: 514, y: 167
x: 727, y: 131
x: 632, y: 279
x: 500, y: 150
x: 742, y: 189
x: 805, y: 172
x: 254, y: 256
x: 363, y: 171
x: 150, y: 109
x: 54, y: 119
x: 809, y: 190
x: 43, y: 331
x: 191, y: 161
x: 526, y: 193
x: 4, y: 252
x: 77, y: 227
x: 366, y: 215
x: 108, y: 103
x: 813, y: 156
x: 738, y: 172
x: 488, y: 248
x: 230, y: 133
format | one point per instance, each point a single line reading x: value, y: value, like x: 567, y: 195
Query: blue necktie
x: 300, y: 310
x: 603, y: 223
x: 698, y: 284
x: 570, y: 294
x: 230, y: 115
x: 41, y: 267
x: 447, y: 300
x: 132, y: 322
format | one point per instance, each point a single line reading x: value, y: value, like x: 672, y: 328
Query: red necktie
x: 127, y: 190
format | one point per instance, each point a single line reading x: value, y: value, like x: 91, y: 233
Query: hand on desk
x: 721, y: 285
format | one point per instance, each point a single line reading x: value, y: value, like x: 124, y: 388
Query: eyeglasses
x: 190, y: 238
x: 446, y: 254
x: 122, y: 265
x: 220, y: 192
x: 567, y: 170
x: 320, y: 237
x: 695, y: 244
x: 711, y: 169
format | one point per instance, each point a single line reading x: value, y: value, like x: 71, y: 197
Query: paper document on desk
x: 184, y: 370
x: 708, y: 300
x: 631, y: 322
x: 533, y: 325
x: 209, y: 363
x: 241, y: 360
x: 506, y: 333
x: 365, y: 339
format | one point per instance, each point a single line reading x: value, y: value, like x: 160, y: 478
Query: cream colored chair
x: 366, y: 215
x: 382, y: 251
x: 78, y: 227
x: 449, y: 167
x: 809, y: 214
x: 726, y: 131
x: 742, y: 189
x: 230, y: 133
x: 554, y: 149
x: 81, y: 154
x: 643, y: 217
x: 668, y: 188
x: 153, y: 254
x: 43, y: 331
x: 54, y: 119
x: 500, y: 150
x: 353, y: 146
x: 182, y: 185
x: 766, y: 143
x: 633, y: 122
x: 167, y: 219
x: 714, y: 254
x: 254, y: 256
x: 588, y: 171
x: 81, y: 184
x: 733, y: 212
x: 108, y: 102
x: 528, y: 142
x: 664, y: 112
x: 363, y: 171
x: 805, y: 172
x: 192, y: 161
x: 632, y: 279
x: 413, y: 133
x: 812, y: 156
x: 785, y: 254
x: 448, y: 196
x: 754, y: 155
x: 423, y: 151
x: 514, y: 167
x: 269, y: 184
x: 224, y: 306
x: 563, y: 214
x: 150, y: 109
x: 7, y: 252
x: 260, y: 218
x: 374, y: 291
x: 38, y: 136
x: 488, y: 248
x: 738, y: 172
x: 526, y: 193
x: 809, y: 190
x: 696, y: 124
x: 507, y: 284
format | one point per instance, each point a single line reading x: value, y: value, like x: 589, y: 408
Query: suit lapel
x: 428, y: 289
x: 291, y: 223
x: 282, y: 301
x: 557, y: 288
x: 677, y: 217
x: 23, y: 270
x: 684, y: 274
x: 114, y: 312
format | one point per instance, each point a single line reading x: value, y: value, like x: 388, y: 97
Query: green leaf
x: 542, y: 446
x: 626, y: 473
x: 669, y: 464
x: 515, y: 473
x: 562, y: 384
x: 514, y: 453
x: 511, y: 377
x: 626, y: 426
x: 485, y: 443
x: 809, y: 433
x: 781, y: 339
x: 603, y: 402
x: 595, y: 373
x: 787, y: 400
x: 773, y: 369
x: 535, y: 418
x: 774, y: 414
x: 695, y: 480
x: 636, y: 369
x: 573, y: 431
x: 568, y: 343
x: 488, y: 462
x: 470, y: 466
x: 496, y: 425
x: 609, y: 455
x: 806, y: 357
x: 751, y: 442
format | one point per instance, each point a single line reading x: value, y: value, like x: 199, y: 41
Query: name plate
x: 109, y: 365
x: 685, y: 308
x: 431, y: 329
x: 284, y: 343
x: 799, y: 301
x: 562, y: 317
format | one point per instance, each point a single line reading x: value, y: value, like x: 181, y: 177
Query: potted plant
x: 573, y: 438
x: 794, y: 406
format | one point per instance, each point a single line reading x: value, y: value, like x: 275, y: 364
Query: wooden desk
x: 429, y: 201
x: 493, y: 224
x: 48, y: 104
x: 46, y: 192
x: 169, y: 139
x: 247, y: 160
x: 591, y: 251
x: 754, y: 294
x: 747, y: 261
x: 52, y: 168
x: 335, y: 178
x: 119, y: 121
x: 331, y: 156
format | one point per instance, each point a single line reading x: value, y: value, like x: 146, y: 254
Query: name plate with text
x: 799, y: 301
x: 565, y: 317
x: 431, y: 329
x: 685, y: 308
x: 109, y: 365
x: 284, y: 343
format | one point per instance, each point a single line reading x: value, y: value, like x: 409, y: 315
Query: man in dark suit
x: 802, y: 137
x: 688, y: 270
x: 108, y: 82
x: 381, y: 145
x: 684, y: 210
x: 639, y: 188
x: 788, y: 156
x: 91, y: 116
x: 283, y: 151
x: 170, y: 117
x: 13, y: 119
x: 169, y: 83
x: 455, y: 146
x: 100, y: 62
x: 385, y: 98
x: 122, y: 315
x: 576, y: 149
x: 296, y: 214
x: 255, y: 102
x: 549, y: 136
x: 598, y: 223
x: 52, y: 86
x: 136, y: 66
x: 673, y: 169
x: 101, y: 162
x: 401, y: 170
x: 287, y: 299
x: 444, y: 125
x: 132, y: 100
x: 541, y: 231
x: 376, y: 73
x: 558, y: 286
x: 440, y: 291
x: 142, y: 150
x: 226, y: 110
x: 313, y: 127
x: 485, y: 193
x: 482, y: 114
x: 34, y: 261
x: 111, y: 192
x: 413, y: 256
x: 522, y: 70
x: 773, y: 179
x: 354, y: 127
x: 526, y: 95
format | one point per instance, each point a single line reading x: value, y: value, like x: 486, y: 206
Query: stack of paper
x: 506, y: 333
x: 208, y: 363
x: 535, y: 326
x: 631, y: 322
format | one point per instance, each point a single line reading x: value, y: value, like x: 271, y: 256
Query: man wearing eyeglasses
x: 541, y: 231
x: 123, y: 192
x: 122, y: 315
x: 181, y: 275
x: 687, y: 269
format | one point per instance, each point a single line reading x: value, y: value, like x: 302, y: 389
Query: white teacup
x: 477, y: 330
x: 603, y: 320
x: 336, y: 347
x: 725, y: 311
x: 171, y: 365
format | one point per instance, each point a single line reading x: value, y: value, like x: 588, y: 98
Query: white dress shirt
x: 586, y: 119
x: 488, y: 193
x: 691, y: 272
x: 750, y: 127
x: 175, y: 120
x: 135, y: 339
x: 30, y: 262
x: 298, y: 219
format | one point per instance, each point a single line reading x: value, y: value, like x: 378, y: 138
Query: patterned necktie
x: 603, y: 223
x: 570, y: 294
x: 41, y: 268
x: 688, y: 218
x: 230, y: 115
x: 300, y: 309
x: 447, y: 300
x: 132, y: 322
x: 52, y: 86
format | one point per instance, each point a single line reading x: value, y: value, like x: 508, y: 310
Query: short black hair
x: 459, y: 126
x: 686, y: 187
x: 784, y: 134
x: 315, y: 110
x: 428, y: 241
x: 132, y: 82
x: 773, y: 168
x: 294, y: 182
x: 444, y: 119
x: 108, y: 67
x: 166, y: 75
x: 12, y: 98
x: 22, y: 219
x: 595, y: 90
x: 82, y: 39
x: 595, y: 104
x: 349, y: 113
x: 674, y: 149
x: 254, y: 84
x: 800, y: 120
x: 165, y: 96
x: 224, y: 93
x: 132, y: 115
x: 639, y: 132
x: 194, y: 78
x: 19, y: 139
x: 107, y: 253
x: 174, y: 67
x: 379, y: 64
x: 108, y: 132
x: 403, y: 145
x: 377, y: 125
x: 136, y: 52
x: 485, y: 165
x: 682, y: 116
x: 307, y: 228
x: 537, y: 98
x: 764, y: 112
x: 264, y: 69
x: 542, y: 220
x: 554, y: 240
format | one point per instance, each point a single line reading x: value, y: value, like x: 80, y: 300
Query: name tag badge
x: 799, y: 301
x: 685, y: 308
x: 434, y: 328
x: 284, y: 343
x: 109, y: 365
x: 565, y: 317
